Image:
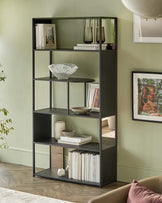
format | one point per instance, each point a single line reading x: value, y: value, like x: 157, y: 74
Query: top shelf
x: 74, y: 18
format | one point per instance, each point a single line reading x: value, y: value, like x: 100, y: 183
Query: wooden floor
x: 20, y: 178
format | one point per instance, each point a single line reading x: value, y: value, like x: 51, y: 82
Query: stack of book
x: 75, y: 140
x: 90, y: 47
x: 84, y: 166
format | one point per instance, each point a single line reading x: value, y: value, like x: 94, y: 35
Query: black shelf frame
x: 108, y: 107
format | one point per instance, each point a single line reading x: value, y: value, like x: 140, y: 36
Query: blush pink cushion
x: 141, y: 194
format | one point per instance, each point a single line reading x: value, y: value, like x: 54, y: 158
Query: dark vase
x: 102, y: 34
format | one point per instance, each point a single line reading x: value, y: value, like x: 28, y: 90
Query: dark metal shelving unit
x: 42, y: 118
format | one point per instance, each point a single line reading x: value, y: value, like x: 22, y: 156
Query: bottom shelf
x: 52, y: 174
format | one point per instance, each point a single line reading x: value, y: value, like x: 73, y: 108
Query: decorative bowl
x: 63, y: 71
x: 69, y: 133
x: 81, y: 110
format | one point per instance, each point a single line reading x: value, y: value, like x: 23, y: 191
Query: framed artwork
x: 147, y: 30
x: 147, y: 96
x: 93, y: 100
x: 50, y: 36
x: 45, y: 36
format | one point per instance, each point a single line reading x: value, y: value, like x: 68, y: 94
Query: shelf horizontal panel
x: 79, y: 80
x: 64, y: 112
x: 73, y: 18
x: 71, y: 49
x: 91, y: 147
x: 52, y: 174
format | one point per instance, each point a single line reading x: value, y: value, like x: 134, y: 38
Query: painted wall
x: 139, y: 143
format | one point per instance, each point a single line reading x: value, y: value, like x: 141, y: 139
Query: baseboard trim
x: 127, y: 173
x: 26, y: 150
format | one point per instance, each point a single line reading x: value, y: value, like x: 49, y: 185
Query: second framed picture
x: 147, y: 96
x: 93, y: 101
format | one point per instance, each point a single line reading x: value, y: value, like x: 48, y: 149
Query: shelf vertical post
x: 33, y: 72
x: 33, y: 160
x: 68, y: 97
x: 50, y: 104
x: 100, y: 116
x: 85, y: 93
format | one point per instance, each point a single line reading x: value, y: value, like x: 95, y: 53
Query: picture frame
x: 147, y: 96
x: 147, y: 30
x: 45, y: 36
x: 93, y: 100
x: 50, y: 36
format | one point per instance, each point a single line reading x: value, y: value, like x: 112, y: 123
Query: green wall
x: 139, y: 143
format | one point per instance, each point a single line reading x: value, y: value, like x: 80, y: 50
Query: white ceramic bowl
x: 63, y: 71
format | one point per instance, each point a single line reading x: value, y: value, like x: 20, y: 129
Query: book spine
x: 97, y: 168
x: 80, y: 166
x: 83, y: 166
x: 70, y: 164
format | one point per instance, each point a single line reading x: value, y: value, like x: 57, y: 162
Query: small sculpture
x: 61, y: 172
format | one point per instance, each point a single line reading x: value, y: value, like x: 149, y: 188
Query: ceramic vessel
x: 59, y: 127
x: 80, y: 110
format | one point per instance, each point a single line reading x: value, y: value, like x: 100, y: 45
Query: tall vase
x: 88, y: 34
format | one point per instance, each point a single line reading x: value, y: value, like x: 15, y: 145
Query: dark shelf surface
x: 108, y: 143
x: 77, y: 80
x: 64, y: 112
x: 71, y: 49
x: 75, y: 18
x: 52, y: 174
x: 91, y: 147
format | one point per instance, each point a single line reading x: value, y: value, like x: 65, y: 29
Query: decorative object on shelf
x: 63, y: 71
x: 93, y: 100
x: 147, y: 30
x: 98, y: 33
x: 75, y: 140
x: 90, y: 47
x: 45, y: 36
x: 81, y: 110
x: 61, y: 172
x: 145, y: 8
x: 111, y: 122
x: 88, y: 34
x: 147, y: 96
x: 69, y: 133
x: 59, y: 127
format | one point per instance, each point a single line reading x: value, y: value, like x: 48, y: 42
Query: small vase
x: 88, y: 34
x: 59, y: 127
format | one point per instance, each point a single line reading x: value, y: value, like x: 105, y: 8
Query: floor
x: 20, y: 178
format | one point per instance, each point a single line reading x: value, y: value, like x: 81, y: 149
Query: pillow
x: 141, y: 194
